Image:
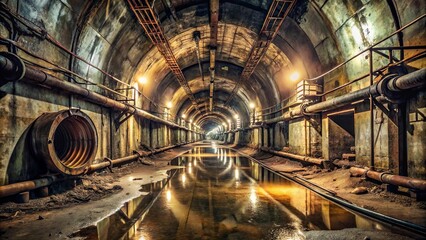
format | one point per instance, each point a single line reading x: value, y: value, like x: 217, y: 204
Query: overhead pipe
x: 196, y: 35
x: 412, y: 183
x: 389, y: 86
x: 214, y: 19
x: 15, y: 188
x: 8, y: 67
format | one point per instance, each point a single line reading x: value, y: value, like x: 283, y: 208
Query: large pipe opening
x: 65, y: 140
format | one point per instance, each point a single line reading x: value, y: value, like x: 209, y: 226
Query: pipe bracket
x: 111, y: 164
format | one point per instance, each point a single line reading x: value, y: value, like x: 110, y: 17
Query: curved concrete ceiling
x: 312, y: 40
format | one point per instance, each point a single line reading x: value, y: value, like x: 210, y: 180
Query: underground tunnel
x: 212, y: 119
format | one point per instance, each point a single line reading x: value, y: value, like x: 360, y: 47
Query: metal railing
x: 291, y: 101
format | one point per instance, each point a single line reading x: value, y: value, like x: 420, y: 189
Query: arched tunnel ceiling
x: 236, y: 36
x: 313, y: 40
x: 235, y: 44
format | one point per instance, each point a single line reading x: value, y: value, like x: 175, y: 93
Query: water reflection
x: 222, y: 195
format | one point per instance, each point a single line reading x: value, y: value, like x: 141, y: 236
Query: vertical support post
x: 371, y: 112
x: 402, y: 139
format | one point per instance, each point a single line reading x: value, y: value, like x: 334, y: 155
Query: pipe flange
x: 18, y: 71
x: 111, y: 164
x: 303, y: 107
x: 382, y: 89
x: 381, y: 176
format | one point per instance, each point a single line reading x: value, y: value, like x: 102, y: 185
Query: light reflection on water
x: 221, y: 195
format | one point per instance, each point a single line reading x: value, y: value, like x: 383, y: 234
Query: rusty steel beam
x: 148, y: 19
x: 214, y: 19
x: 278, y: 11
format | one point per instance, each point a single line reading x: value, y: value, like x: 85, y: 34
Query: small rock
x: 40, y: 217
x: 359, y: 190
x: 138, y: 178
x: 334, y: 179
x: 86, y: 182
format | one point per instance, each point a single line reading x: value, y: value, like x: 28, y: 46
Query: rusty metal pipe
x: 409, y: 81
x: 33, y: 75
x: 396, y: 84
x: 66, y: 141
x: 412, y: 183
x: 15, y: 188
x: 317, y: 161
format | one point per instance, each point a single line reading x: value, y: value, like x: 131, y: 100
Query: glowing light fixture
x: 184, y: 116
x: 251, y: 105
x: 229, y: 120
x: 142, y: 80
x: 236, y: 116
x: 294, y: 76
x: 168, y: 195
x: 169, y: 104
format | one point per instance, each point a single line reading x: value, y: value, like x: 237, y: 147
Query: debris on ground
x: 360, y: 190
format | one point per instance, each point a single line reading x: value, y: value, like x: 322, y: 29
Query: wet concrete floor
x: 222, y: 195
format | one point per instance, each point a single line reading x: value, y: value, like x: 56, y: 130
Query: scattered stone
x: 138, y: 178
x: 334, y: 179
x: 360, y: 190
x: 86, y: 182
x: 228, y: 224
x: 40, y: 217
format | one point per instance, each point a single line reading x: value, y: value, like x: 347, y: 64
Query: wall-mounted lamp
x: 294, y: 76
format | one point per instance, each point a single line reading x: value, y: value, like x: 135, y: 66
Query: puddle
x: 222, y: 195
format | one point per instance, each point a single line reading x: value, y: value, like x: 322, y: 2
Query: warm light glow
x: 169, y: 104
x: 190, y: 120
x: 253, y: 196
x: 168, y: 195
x: 251, y: 105
x: 236, y: 116
x: 229, y: 120
x: 184, y: 116
x: 142, y: 80
x: 183, y: 178
x: 224, y: 124
x: 294, y: 76
x: 237, y: 174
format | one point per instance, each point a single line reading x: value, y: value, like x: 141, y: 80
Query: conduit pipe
x: 388, y: 87
x: 412, y: 183
x: 15, y: 188
x: 317, y: 161
x: 8, y: 67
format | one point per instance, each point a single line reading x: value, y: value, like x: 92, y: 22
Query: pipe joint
x: 12, y: 67
x: 382, y: 88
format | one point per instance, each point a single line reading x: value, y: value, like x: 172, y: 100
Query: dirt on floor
x: 357, y: 190
x: 86, y: 188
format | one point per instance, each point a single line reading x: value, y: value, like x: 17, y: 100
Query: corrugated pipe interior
x: 66, y: 141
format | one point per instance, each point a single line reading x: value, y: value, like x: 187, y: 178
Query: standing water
x: 222, y: 195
